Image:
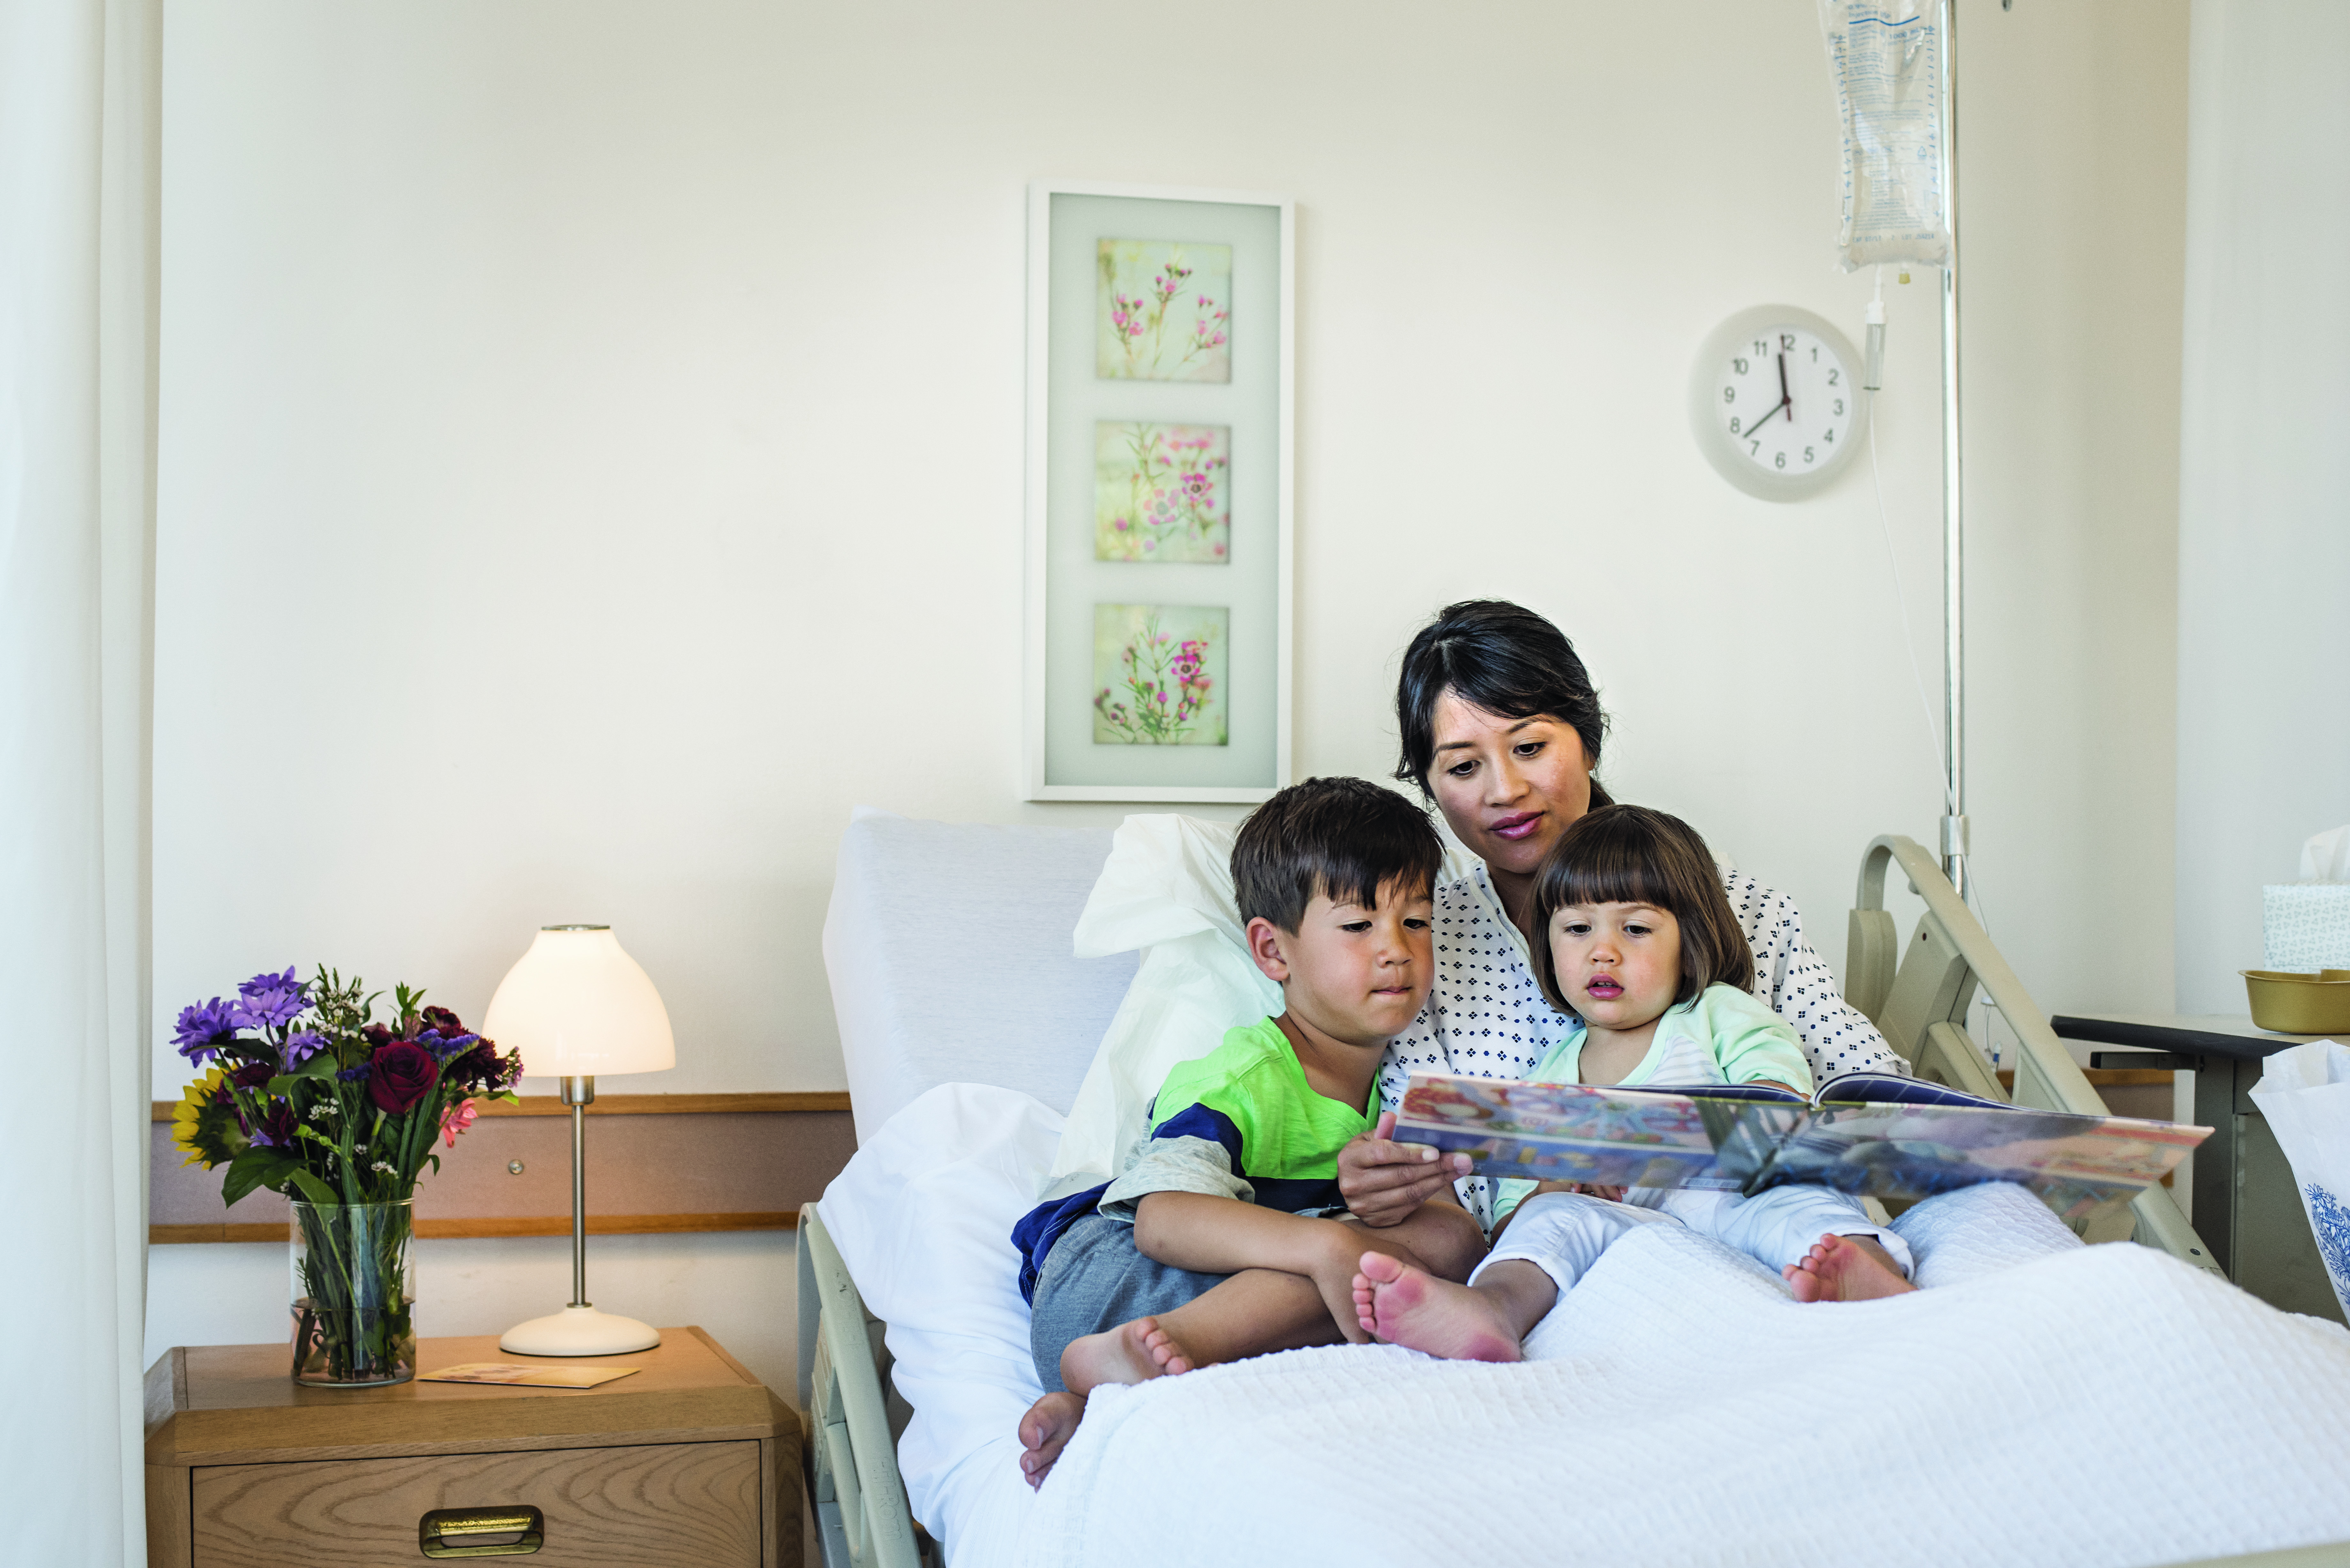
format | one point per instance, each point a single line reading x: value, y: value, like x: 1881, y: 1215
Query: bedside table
x: 689, y: 1462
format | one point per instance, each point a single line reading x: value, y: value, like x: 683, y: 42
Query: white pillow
x: 1167, y: 887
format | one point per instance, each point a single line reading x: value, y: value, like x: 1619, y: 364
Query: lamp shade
x: 576, y: 1005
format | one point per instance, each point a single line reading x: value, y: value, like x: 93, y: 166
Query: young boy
x: 1226, y: 1236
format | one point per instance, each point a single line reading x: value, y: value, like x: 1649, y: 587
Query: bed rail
x: 1917, y: 996
x: 862, y: 1516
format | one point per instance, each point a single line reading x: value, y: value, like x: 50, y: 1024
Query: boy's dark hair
x: 1343, y: 839
x: 1631, y: 854
x: 1505, y: 660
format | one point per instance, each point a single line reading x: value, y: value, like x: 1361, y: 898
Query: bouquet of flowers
x: 306, y: 1095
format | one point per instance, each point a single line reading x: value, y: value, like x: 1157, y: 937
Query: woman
x: 1501, y: 730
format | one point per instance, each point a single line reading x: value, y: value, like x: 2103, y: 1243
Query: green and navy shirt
x: 1241, y: 1122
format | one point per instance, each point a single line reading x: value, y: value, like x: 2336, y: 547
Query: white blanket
x: 2106, y: 1406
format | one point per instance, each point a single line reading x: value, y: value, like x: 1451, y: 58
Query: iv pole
x: 1954, y: 634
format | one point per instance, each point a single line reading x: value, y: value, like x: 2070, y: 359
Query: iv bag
x: 1886, y: 59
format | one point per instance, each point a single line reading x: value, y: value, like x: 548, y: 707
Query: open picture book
x: 1866, y: 1134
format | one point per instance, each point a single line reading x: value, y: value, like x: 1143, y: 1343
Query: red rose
x: 400, y: 1075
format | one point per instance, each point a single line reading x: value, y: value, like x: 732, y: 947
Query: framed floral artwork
x: 1158, y: 500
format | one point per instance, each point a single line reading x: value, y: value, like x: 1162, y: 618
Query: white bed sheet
x: 2028, y: 1414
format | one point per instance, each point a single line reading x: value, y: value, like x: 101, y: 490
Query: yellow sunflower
x: 201, y: 1125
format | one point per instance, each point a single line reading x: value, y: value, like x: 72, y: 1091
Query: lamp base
x: 578, y: 1331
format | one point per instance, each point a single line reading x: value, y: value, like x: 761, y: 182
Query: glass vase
x: 353, y: 1294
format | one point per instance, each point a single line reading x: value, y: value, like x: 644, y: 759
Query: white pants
x: 1563, y: 1233
x: 1979, y: 1231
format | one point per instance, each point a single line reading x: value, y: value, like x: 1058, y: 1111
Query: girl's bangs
x: 1619, y: 869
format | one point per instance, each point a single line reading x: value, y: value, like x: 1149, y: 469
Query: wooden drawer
x: 693, y: 1505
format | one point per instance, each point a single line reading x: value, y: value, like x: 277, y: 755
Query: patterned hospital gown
x: 1487, y: 1017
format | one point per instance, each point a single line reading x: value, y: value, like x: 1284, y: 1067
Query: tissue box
x: 2306, y: 925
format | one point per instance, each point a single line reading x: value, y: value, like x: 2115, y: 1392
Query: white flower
x: 382, y: 1165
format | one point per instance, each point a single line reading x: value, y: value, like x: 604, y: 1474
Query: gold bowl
x: 2304, y: 1003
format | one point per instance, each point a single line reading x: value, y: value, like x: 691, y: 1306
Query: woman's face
x: 1508, y: 788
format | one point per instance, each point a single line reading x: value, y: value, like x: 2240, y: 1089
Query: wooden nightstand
x: 689, y: 1462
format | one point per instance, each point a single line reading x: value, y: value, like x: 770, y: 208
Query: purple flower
x: 252, y: 1074
x: 271, y: 1001
x: 446, y: 1046
x: 353, y: 1074
x: 204, y: 1029
x: 303, y: 1045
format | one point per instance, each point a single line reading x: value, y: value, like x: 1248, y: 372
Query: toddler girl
x: 1637, y: 941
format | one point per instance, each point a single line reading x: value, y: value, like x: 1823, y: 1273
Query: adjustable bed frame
x: 1916, y: 993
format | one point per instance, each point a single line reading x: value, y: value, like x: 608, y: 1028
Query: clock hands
x: 1785, y: 404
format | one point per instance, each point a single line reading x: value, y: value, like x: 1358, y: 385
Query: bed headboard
x: 947, y: 945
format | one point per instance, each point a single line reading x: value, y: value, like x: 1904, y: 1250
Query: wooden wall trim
x: 542, y: 1225
x: 2106, y: 1077
x: 665, y: 1164
x: 639, y: 1104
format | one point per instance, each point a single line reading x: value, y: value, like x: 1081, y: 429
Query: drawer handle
x: 481, y: 1531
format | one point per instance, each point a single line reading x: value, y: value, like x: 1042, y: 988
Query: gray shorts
x: 1097, y: 1278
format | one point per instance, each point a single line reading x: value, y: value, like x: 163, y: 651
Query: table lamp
x: 576, y: 1005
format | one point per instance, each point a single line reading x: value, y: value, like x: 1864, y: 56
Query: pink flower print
x: 1166, y: 680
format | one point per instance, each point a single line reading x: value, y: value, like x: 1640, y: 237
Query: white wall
x: 2263, y: 546
x: 591, y: 450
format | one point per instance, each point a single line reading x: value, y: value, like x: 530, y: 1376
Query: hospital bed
x: 958, y: 1107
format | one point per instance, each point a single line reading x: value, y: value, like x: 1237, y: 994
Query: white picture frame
x: 1082, y: 584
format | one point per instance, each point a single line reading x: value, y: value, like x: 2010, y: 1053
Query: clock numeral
x: 1839, y: 405
x: 1753, y: 448
x: 1737, y: 367
x: 1781, y: 461
x: 1830, y: 436
x: 1833, y: 382
x: 1787, y: 341
x: 1807, y: 454
x: 1729, y: 394
x: 1761, y: 348
x: 1816, y: 353
x: 1734, y: 424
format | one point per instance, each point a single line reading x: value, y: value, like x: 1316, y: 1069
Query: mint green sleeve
x: 1509, y: 1192
x: 1751, y: 1041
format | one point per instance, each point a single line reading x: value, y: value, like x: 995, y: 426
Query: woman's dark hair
x: 1505, y: 660
x: 1631, y: 854
x: 1343, y: 839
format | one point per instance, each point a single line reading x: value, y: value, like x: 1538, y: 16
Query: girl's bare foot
x: 1408, y: 1306
x: 1845, y: 1269
x: 1131, y: 1353
x: 1045, y: 1430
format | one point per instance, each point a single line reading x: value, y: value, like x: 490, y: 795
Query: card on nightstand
x: 528, y: 1376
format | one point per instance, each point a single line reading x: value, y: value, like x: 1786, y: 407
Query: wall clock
x: 1775, y: 402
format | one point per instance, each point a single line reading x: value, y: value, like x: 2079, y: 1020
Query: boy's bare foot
x: 1410, y: 1307
x: 1045, y: 1430
x: 1131, y: 1353
x: 1845, y: 1269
